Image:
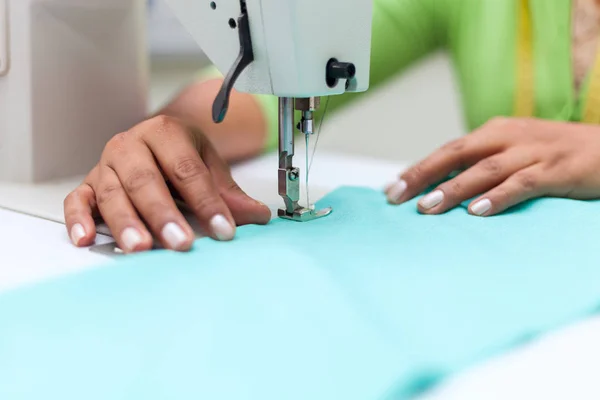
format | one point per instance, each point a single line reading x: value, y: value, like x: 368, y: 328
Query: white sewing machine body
x: 297, y: 50
x: 72, y: 74
x: 293, y: 40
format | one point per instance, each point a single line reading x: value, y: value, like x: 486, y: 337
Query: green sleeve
x: 403, y: 32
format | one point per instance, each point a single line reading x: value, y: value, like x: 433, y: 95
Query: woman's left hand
x: 506, y: 162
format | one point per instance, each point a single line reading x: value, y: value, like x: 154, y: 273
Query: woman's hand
x: 504, y: 163
x: 128, y: 189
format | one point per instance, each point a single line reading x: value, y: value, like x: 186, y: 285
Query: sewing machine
x: 297, y: 50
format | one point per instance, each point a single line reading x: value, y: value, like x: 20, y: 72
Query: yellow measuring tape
x: 525, y: 93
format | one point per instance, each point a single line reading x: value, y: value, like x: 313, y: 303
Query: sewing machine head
x: 293, y: 42
x: 292, y: 49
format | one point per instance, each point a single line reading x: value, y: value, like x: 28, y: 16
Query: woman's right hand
x: 128, y: 189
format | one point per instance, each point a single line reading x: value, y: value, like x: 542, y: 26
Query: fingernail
x: 131, y: 238
x: 396, y: 190
x: 174, y: 235
x: 77, y: 233
x: 432, y: 199
x: 221, y: 227
x: 481, y: 207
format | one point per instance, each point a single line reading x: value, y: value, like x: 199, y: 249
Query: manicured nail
x: 221, y: 227
x: 396, y: 190
x: 77, y: 233
x: 174, y: 235
x: 432, y: 199
x: 131, y: 238
x: 481, y: 207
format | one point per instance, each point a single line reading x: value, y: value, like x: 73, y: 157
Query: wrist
x: 243, y: 133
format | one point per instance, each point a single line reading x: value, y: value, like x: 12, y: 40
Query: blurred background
x: 404, y: 121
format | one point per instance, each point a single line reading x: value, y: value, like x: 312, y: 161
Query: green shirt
x: 481, y: 39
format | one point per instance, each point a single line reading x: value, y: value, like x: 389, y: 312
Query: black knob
x: 339, y: 70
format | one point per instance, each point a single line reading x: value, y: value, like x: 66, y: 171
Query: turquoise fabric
x: 374, y: 302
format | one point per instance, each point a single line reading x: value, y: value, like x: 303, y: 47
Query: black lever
x: 245, y: 58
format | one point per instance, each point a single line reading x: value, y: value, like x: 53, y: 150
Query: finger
x: 174, y: 148
x: 524, y: 185
x: 207, y: 169
x: 79, y: 208
x: 454, y: 156
x: 483, y: 176
x: 118, y: 213
x: 148, y: 192
x: 245, y: 209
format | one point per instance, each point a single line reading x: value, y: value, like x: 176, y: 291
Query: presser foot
x: 304, y: 214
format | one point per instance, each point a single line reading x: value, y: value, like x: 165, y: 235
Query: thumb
x: 244, y: 209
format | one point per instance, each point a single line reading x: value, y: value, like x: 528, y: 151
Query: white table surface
x: 562, y: 365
